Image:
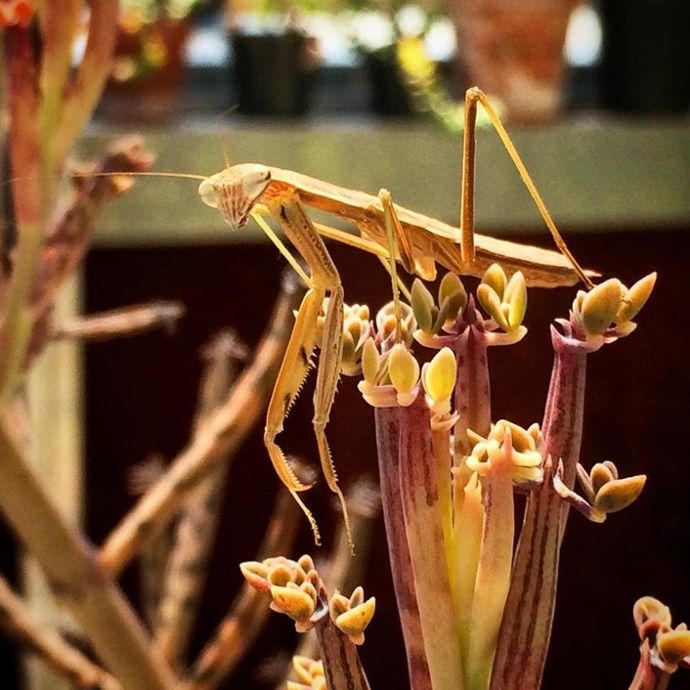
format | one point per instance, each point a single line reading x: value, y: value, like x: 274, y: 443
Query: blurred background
x: 367, y: 94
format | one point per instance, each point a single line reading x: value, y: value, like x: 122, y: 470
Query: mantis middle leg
x: 325, y: 281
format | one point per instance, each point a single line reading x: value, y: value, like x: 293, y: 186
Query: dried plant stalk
x: 248, y: 613
x: 71, y: 566
x: 50, y: 646
x: 121, y: 323
x: 223, y: 434
x: 195, y: 530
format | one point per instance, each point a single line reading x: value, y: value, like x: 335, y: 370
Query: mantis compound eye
x: 255, y: 181
x: 209, y: 193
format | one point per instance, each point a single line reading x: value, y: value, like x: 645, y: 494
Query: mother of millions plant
x: 476, y: 600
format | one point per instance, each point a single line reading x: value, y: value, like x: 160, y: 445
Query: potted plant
x: 274, y: 57
x: 148, y: 70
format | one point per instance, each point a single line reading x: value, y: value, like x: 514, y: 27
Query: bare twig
x: 154, y: 558
x: 222, y: 435
x: 50, y: 646
x: 69, y: 238
x: 71, y: 566
x: 122, y: 323
x: 196, y: 528
x: 248, y: 613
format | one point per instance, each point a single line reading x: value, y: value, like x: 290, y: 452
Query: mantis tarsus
x: 251, y: 189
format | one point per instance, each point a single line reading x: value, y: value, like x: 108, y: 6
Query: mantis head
x: 235, y: 190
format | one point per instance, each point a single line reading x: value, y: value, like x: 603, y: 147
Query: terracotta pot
x: 513, y: 49
x: 148, y: 72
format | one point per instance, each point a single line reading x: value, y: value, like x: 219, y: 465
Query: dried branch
x: 154, y: 558
x: 49, y: 646
x: 225, y: 431
x: 248, y: 612
x: 196, y: 528
x: 71, y: 566
x: 123, y: 322
x: 70, y: 236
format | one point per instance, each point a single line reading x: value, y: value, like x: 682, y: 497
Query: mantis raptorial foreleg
x: 324, y: 280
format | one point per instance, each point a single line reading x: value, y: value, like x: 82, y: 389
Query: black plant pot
x: 273, y: 73
x: 646, y: 61
x: 388, y: 94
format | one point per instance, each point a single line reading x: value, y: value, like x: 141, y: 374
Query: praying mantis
x: 249, y: 189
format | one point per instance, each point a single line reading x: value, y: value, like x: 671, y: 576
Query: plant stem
x: 30, y: 204
x: 341, y: 664
x: 71, y: 566
x: 419, y: 492
x: 50, y: 646
x: 473, y: 388
x: 648, y: 676
x: 493, y: 571
x: 388, y: 445
x: 528, y: 617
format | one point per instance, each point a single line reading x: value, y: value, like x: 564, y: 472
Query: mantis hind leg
x: 472, y: 97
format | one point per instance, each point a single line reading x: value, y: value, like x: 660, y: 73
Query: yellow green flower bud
x: 255, y: 574
x: 600, y: 474
x: 450, y: 286
x: 357, y: 597
x: 496, y: 279
x: 648, y: 608
x: 338, y: 604
x: 280, y: 574
x: 516, y: 297
x: 370, y: 361
x: 439, y: 377
x: 294, y: 602
x: 306, y: 563
x: 619, y: 493
x: 492, y: 305
x: 355, y: 621
x: 674, y: 645
x: 403, y: 370
x: 309, y: 674
x: 525, y: 457
x: 422, y: 305
x: 635, y: 298
x: 598, y: 308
